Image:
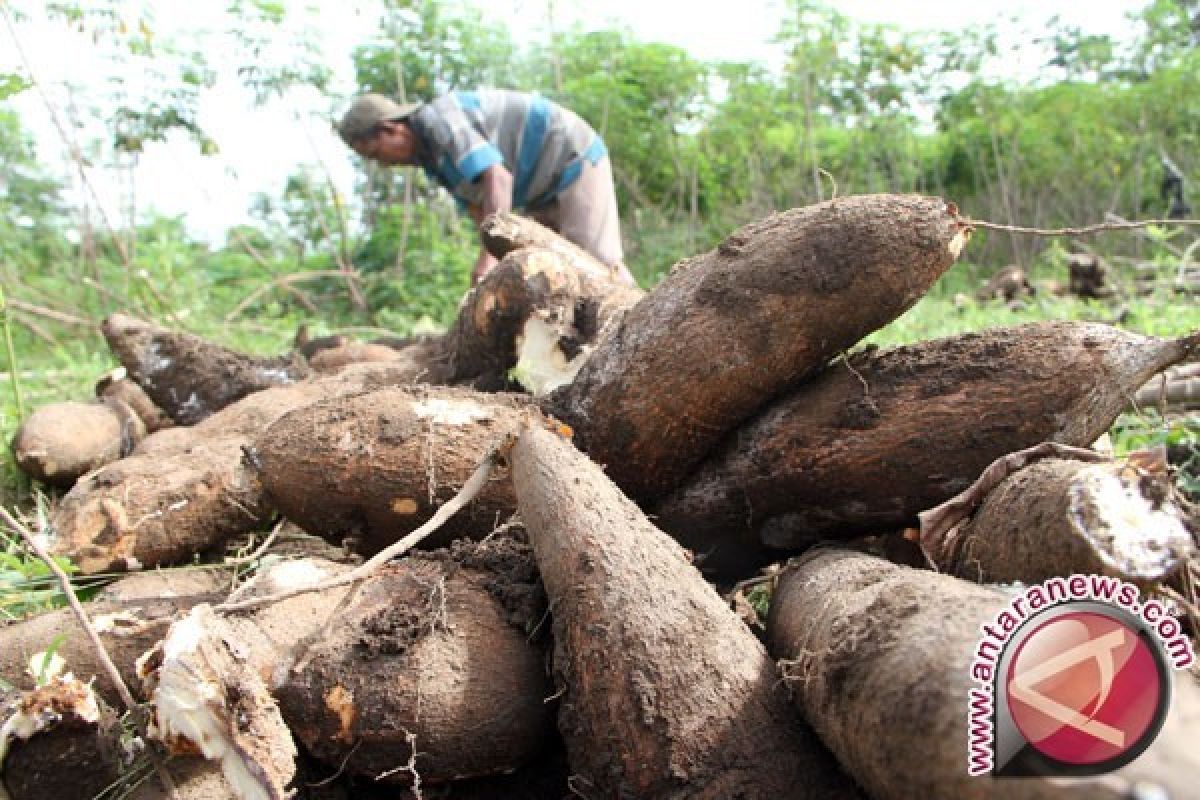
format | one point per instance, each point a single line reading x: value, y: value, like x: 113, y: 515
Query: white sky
x: 259, y: 148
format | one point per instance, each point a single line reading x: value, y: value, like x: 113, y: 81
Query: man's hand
x: 497, y: 185
x: 483, y: 265
x: 496, y: 182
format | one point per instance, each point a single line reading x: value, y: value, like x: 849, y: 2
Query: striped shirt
x: 541, y: 143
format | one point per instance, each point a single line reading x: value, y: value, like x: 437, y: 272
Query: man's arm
x: 496, y: 183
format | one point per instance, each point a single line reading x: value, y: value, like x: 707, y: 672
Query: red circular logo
x: 1084, y: 688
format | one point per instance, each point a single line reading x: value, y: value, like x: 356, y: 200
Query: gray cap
x: 367, y: 111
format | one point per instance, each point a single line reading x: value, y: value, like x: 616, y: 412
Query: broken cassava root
x: 530, y: 287
x: 206, y: 696
x: 870, y: 443
x: 873, y: 650
x: 377, y: 465
x: 1062, y: 517
x: 60, y: 741
x: 130, y: 615
x: 666, y: 693
x: 505, y: 233
x: 727, y: 330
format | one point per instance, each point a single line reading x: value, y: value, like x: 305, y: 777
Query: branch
x: 283, y: 282
x: 1087, y: 229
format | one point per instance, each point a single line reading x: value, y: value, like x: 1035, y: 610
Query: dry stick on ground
x: 447, y: 510
x: 1085, y: 230
x: 114, y: 674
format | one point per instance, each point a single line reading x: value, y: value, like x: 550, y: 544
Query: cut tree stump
x: 728, y: 330
x: 665, y: 692
x: 866, y: 446
x: 871, y: 649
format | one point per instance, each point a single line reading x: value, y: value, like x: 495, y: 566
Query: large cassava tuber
x: 870, y: 443
x: 130, y: 615
x: 377, y: 465
x: 429, y: 672
x: 873, y: 651
x: 727, y: 330
x: 158, y: 509
x: 59, y: 442
x: 1062, y: 517
x: 187, y: 489
x: 189, y: 377
x: 665, y: 692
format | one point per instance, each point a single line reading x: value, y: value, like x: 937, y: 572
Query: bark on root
x: 189, y: 377
x: 870, y: 648
x: 375, y: 466
x: 1063, y: 517
x: 728, y: 330
x: 429, y: 676
x: 870, y: 443
x: 665, y: 692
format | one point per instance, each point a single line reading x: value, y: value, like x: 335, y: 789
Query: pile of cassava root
x: 584, y: 469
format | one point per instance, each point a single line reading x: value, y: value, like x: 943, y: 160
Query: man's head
x: 374, y: 126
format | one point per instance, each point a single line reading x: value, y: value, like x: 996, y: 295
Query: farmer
x: 497, y: 150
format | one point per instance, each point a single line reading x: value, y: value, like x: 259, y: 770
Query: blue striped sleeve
x: 473, y: 164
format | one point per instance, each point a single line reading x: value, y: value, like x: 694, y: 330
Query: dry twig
x: 106, y: 661
x: 465, y: 495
